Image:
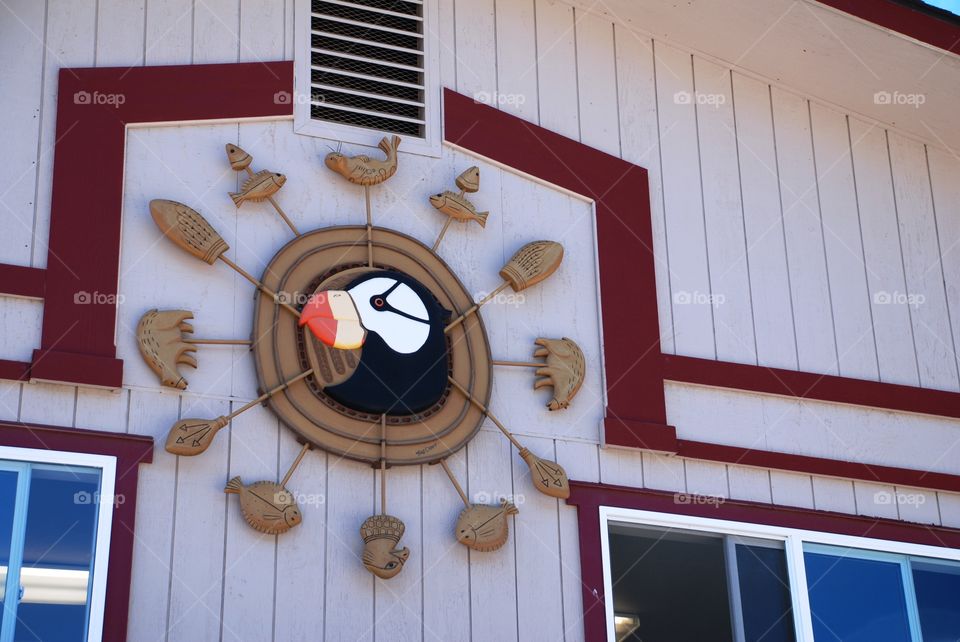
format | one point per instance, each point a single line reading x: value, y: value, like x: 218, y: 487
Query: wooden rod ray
x: 456, y: 484
x: 296, y: 462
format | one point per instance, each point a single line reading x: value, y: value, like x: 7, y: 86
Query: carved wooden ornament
x: 363, y: 170
x: 267, y: 506
x: 484, y: 528
x: 381, y: 554
x: 564, y: 370
x: 376, y: 312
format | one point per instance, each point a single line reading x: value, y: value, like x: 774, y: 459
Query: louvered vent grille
x: 367, y: 64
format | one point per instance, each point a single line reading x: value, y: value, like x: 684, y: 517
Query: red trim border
x: 130, y: 451
x: 913, y: 22
x: 589, y: 497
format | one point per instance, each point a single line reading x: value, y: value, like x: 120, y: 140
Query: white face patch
x: 401, y: 333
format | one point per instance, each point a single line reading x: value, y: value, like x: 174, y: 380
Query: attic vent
x: 367, y: 64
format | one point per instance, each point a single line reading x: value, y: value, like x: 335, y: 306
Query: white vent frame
x: 430, y: 145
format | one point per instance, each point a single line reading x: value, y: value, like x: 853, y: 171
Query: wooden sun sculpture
x: 375, y: 297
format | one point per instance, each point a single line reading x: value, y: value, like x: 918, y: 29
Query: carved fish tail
x: 390, y: 146
x: 237, y: 198
x: 233, y: 486
x: 509, y: 508
x: 482, y: 218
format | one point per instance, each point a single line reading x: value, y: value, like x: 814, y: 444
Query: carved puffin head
x: 399, y: 325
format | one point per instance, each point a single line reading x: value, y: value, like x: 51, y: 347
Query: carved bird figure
x: 381, y: 556
x: 363, y: 170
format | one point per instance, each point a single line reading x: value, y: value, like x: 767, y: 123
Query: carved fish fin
x: 233, y: 486
x: 237, y: 198
x: 482, y: 218
x: 251, y: 181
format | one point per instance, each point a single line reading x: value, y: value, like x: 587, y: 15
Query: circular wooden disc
x: 329, y: 257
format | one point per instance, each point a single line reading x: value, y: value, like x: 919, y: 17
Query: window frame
x: 430, y: 145
x: 107, y: 464
x: 793, y: 540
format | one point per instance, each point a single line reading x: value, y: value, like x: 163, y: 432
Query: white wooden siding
x: 786, y: 233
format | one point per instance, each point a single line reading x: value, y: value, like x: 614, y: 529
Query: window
x: 54, y: 540
x: 674, y: 578
x: 366, y: 68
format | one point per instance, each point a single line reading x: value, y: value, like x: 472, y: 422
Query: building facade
x: 759, y: 211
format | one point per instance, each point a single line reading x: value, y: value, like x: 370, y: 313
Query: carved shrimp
x: 564, y: 370
x: 160, y: 337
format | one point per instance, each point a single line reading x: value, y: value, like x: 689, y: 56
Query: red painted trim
x: 808, y: 385
x: 589, y: 497
x: 130, y: 451
x: 15, y: 370
x: 93, y: 109
x: 20, y: 280
x: 913, y: 22
x: 819, y: 466
x: 619, y: 189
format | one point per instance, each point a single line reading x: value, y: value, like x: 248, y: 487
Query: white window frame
x: 793, y: 540
x: 105, y: 505
x: 430, y: 145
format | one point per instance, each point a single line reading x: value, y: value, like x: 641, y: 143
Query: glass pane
x: 8, y: 501
x: 58, y: 553
x: 668, y: 586
x: 938, y: 600
x: 765, y: 594
x: 856, y: 600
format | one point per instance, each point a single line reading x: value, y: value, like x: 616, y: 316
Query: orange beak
x: 334, y: 320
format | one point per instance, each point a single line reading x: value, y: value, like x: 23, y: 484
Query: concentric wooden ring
x: 325, y: 257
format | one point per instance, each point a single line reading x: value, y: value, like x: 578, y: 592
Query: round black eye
x: 378, y: 302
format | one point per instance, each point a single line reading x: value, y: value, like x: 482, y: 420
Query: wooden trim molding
x: 589, y: 497
x: 636, y: 411
x: 130, y: 451
x: 94, y: 108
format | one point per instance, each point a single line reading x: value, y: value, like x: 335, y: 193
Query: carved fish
x: 261, y: 185
x: 363, y: 170
x: 268, y: 507
x: 564, y: 370
x: 239, y: 159
x: 484, y: 528
x: 160, y: 339
x: 469, y: 180
x: 381, y: 534
x: 458, y: 207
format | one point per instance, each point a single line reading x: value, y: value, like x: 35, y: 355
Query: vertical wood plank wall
x: 787, y: 233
